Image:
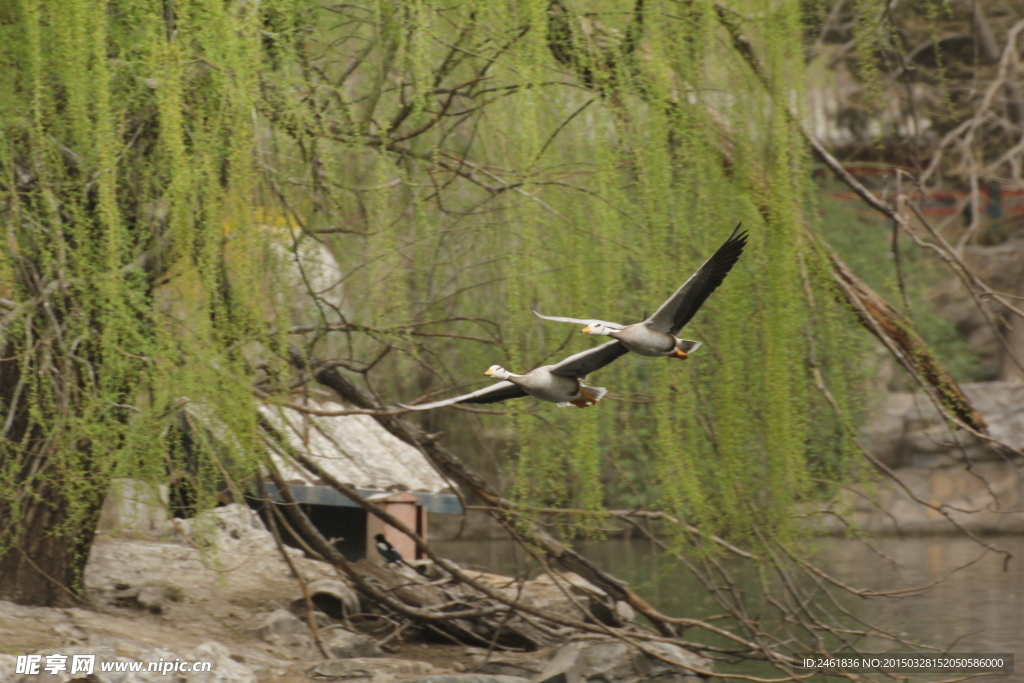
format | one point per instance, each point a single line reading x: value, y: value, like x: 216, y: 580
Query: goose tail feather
x: 687, y: 346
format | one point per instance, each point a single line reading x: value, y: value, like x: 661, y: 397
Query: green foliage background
x: 458, y: 163
x: 595, y: 184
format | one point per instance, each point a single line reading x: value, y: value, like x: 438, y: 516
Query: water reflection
x: 979, y: 604
x: 976, y: 608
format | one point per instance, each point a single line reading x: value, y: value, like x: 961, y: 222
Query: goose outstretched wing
x: 687, y: 300
x: 502, y: 391
x: 578, y: 321
x: 582, y: 364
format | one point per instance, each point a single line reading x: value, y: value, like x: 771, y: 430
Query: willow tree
x: 126, y: 140
x: 454, y: 164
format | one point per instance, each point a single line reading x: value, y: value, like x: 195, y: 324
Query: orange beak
x: 586, y: 330
x: 488, y: 372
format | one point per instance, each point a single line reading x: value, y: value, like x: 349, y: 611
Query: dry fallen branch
x: 422, y: 602
x: 272, y: 513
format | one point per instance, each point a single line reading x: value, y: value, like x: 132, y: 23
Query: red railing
x: 996, y: 202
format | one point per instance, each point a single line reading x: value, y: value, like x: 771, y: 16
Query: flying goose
x: 656, y: 336
x: 561, y: 383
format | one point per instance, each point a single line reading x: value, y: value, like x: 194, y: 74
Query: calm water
x: 980, y: 607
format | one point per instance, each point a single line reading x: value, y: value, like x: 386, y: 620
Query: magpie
x: 390, y: 555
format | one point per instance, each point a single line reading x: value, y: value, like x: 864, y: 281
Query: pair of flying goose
x: 562, y: 383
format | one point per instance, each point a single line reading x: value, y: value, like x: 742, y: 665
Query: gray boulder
x: 906, y: 430
x: 979, y: 485
x: 343, y: 644
x: 613, y: 661
x: 280, y: 622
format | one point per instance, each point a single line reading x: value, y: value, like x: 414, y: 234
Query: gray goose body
x: 545, y: 386
x: 643, y: 340
x: 560, y: 383
x: 656, y: 336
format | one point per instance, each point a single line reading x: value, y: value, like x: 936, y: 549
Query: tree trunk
x: 45, y: 565
x: 45, y: 536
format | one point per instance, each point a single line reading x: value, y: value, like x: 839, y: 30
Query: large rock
x: 906, y: 430
x: 233, y: 529
x: 175, y: 597
x: 985, y: 499
x: 613, y: 661
x: 344, y: 644
x: 978, y: 485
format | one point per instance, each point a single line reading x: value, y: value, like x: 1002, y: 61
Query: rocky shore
x: 220, y: 592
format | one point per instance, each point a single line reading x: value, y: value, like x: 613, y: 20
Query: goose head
x: 498, y: 372
x: 597, y: 329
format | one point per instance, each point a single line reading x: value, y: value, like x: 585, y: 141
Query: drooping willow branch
x: 894, y: 330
